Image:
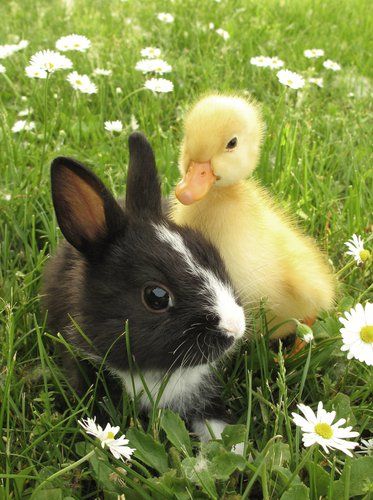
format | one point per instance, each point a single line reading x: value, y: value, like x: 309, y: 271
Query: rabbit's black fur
x: 95, y: 283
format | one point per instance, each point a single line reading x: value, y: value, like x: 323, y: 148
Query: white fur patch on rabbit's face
x: 183, y: 386
x: 223, y: 302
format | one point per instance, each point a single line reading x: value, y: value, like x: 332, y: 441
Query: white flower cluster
x: 73, y: 42
x: 81, y: 83
x: 9, y: 49
x: 290, y: 78
x: 23, y: 126
x: 165, y: 17
x: 267, y: 62
x: 153, y: 64
x: 45, y: 62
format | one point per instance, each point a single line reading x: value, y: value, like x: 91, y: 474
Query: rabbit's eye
x: 232, y: 144
x: 156, y: 298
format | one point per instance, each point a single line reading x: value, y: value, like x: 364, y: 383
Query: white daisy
x: 211, y: 26
x: 6, y: 51
x: 117, y: 446
x: 159, y: 85
x: 290, y: 79
x: 165, y: 17
x: 366, y: 446
x: 102, y: 72
x: 6, y: 196
x: 319, y: 429
x: 356, y: 248
x: 9, y: 49
x: 25, y: 112
x: 114, y: 126
x: 150, y: 52
x: 262, y: 61
x: 22, y: 44
x: 224, y: 34
x: 317, y: 81
x: 153, y: 66
x: 73, y: 42
x: 35, y: 72
x: 81, y: 83
x: 275, y: 63
x: 357, y: 334
x: 118, y: 90
x: 2, y: 69
x: 328, y: 64
x: 134, y: 124
x: 313, y: 53
x: 50, y: 61
x: 23, y: 125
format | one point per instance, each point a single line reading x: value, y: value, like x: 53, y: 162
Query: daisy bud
x: 304, y: 332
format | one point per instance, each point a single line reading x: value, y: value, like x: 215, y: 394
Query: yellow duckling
x: 267, y: 256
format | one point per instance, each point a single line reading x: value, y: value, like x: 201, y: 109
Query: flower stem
x: 64, y: 470
x: 298, y: 468
x: 344, y: 268
x: 45, y: 130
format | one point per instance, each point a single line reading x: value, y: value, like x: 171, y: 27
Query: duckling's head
x: 220, y: 147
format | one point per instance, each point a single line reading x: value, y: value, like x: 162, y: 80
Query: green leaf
x: 177, y: 485
x: 282, y: 476
x: 197, y: 471
x: 148, y: 450
x: 49, y: 494
x: 296, y: 492
x: 210, y: 449
x: 322, y: 478
x: 223, y: 465
x: 341, y: 404
x: 102, y: 471
x: 176, y: 431
x: 279, y: 454
x: 361, y: 480
x: 233, y: 434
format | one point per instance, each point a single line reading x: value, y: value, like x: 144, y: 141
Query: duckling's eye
x: 232, y: 143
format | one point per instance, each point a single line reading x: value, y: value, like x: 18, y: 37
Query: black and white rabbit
x: 133, y: 264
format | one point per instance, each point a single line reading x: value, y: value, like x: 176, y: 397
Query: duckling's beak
x: 196, y: 183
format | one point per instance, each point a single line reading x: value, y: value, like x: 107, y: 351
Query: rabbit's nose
x: 233, y: 321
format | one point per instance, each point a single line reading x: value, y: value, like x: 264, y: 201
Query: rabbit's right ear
x: 86, y: 211
x: 143, y: 196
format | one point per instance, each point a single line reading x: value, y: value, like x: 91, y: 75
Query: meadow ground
x: 315, y: 161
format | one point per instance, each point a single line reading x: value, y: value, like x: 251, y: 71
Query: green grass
x: 315, y: 161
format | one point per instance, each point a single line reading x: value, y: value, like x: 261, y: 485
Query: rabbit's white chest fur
x: 183, y: 386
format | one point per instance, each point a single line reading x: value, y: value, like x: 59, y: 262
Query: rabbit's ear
x: 86, y: 211
x: 143, y: 196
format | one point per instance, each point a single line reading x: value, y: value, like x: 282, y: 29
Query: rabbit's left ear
x: 86, y: 211
x: 143, y: 197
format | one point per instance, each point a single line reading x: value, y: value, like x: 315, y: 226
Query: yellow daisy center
x: 366, y: 334
x: 110, y: 435
x: 364, y: 255
x: 324, y: 430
